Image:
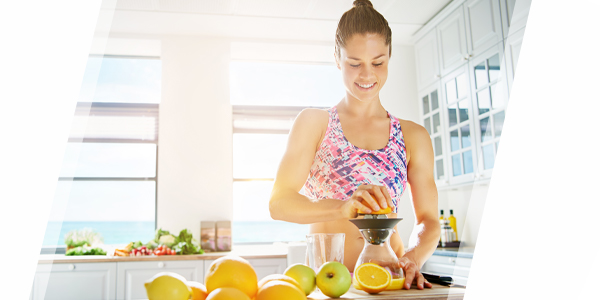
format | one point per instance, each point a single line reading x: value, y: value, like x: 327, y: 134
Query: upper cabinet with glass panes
x: 469, y: 86
x: 488, y: 78
x: 459, y: 133
x: 431, y: 114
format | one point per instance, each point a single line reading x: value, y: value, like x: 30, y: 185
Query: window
x: 108, y: 176
x: 266, y: 99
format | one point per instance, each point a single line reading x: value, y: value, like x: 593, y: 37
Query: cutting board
x: 434, y: 293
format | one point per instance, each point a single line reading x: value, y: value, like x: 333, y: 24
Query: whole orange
x: 278, y: 290
x: 198, y: 290
x: 280, y: 277
x: 232, y: 271
x: 227, y: 293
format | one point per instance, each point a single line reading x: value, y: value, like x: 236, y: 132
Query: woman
x: 357, y: 156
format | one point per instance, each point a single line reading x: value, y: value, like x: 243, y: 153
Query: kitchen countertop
x: 245, y: 251
x: 437, y: 292
x: 462, y: 252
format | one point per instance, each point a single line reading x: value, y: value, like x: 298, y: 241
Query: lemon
x: 167, y: 286
x: 382, y: 211
x: 372, y: 278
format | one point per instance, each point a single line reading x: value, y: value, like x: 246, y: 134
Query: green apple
x: 305, y: 276
x: 333, y: 279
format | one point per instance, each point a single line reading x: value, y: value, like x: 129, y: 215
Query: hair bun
x: 358, y: 3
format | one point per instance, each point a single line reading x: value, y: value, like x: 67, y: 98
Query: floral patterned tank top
x: 340, y: 167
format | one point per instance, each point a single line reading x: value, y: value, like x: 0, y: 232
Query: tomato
x: 173, y: 252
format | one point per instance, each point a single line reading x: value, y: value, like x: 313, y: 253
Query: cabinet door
x: 131, y: 276
x: 267, y: 266
x: 483, y: 24
x: 507, y: 8
x: 488, y: 76
x: 458, y: 115
x: 513, y: 48
x: 432, y: 119
x: 262, y: 266
x: 452, y: 41
x: 426, y: 57
x: 74, y: 281
x: 514, y: 15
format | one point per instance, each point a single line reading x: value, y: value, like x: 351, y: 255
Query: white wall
x: 195, y: 145
x: 468, y: 202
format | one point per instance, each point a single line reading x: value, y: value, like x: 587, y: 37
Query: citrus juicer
x: 377, y: 230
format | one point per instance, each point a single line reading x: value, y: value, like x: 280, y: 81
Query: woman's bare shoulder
x: 310, y: 126
x: 412, y: 130
x: 415, y: 135
x: 312, y: 118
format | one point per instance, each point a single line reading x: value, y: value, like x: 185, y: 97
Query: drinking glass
x: 324, y: 247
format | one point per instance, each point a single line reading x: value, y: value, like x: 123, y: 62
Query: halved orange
x: 383, y: 211
x: 372, y: 278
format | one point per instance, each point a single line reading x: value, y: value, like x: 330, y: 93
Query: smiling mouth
x: 366, y: 86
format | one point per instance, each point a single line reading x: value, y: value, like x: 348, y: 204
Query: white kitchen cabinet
x: 484, y: 25
x: 427, y: 60
x: 488, y: 91
x: 514, y: 15
x: 131, y: 276
x: 456, y: 267
x: 432, y: 118
x: 513, y: 48
x: 452, y: 41
x: 459, y: 134
x: 262, y: 266
x: 75, y: 281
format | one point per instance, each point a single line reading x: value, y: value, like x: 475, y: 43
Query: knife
x: 443, y: 280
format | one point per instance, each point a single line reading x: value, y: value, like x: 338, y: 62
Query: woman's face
x: 364, y: 65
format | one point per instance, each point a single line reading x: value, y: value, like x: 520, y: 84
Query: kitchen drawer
x: 456, y: 267
x: 459, y: 261
x: 262, y: 266
x: 131, y: 276
x: 446, y: 269
x: 74, y: 281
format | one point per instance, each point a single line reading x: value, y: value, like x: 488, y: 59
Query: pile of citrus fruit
x: 233, y: 278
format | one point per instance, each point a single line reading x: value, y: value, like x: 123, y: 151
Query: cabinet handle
x: 161, y: 264
x: 437, y: 76
x: 71, y: 267
x: 453, y: 260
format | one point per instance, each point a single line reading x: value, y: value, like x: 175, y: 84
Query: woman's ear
x: 337, y: 63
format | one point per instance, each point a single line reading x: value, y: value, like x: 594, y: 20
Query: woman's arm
x: 425, y: 200
x: 287, y: 204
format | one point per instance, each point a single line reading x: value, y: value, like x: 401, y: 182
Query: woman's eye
x: 377, y: 65
x: 355, y: 66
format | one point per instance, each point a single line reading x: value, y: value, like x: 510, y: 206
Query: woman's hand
x: 412, y: 274
x: 367, y: 198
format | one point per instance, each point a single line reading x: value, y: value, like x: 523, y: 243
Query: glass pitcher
x: 377, y: 249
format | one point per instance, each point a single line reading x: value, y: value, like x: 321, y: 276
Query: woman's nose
x: 367, y: 72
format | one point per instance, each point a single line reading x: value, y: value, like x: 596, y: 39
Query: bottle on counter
x: 452, y: 221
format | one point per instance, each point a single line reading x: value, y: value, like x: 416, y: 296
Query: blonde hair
x: 362, y: 18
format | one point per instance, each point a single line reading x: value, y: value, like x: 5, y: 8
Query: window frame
x: 115, y: 109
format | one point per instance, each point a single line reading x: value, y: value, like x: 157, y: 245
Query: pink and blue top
x: 340, y: 167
